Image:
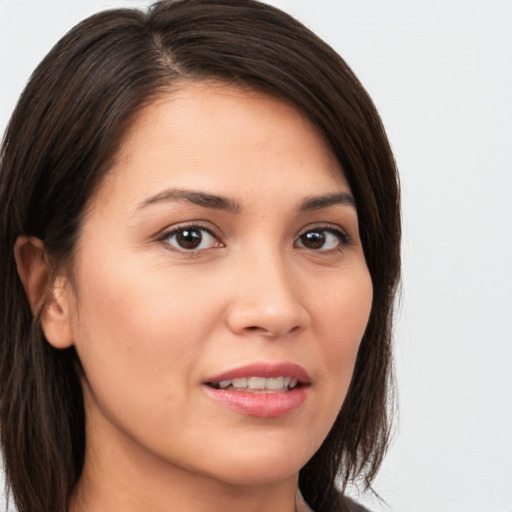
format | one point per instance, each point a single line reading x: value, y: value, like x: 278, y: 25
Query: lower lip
x: 261, y: 404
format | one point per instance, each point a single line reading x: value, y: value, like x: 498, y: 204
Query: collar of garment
x: 300, y: 504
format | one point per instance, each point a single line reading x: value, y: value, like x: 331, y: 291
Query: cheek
x: 343, y: 314
x: 138, y: 335
x: 344, y: 308
x: 135, y: 323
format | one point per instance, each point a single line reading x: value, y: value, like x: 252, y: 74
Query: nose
x: 266, y: 299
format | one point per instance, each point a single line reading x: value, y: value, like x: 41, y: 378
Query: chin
x: 260, y: 468
x: 251, y: 476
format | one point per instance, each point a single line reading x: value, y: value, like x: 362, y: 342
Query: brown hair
x: 61, y: 140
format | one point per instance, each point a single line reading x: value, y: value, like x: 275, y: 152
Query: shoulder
x: 339, y: 503
x: 352, y: 506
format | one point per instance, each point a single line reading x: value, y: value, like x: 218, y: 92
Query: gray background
x: 440, y: 73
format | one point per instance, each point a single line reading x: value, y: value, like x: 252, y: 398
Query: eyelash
x: 343, y: 238
x: 191, y: 228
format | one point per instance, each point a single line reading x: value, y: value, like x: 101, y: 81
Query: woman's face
x: 220, y: 290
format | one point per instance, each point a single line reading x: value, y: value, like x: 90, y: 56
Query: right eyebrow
x: 319, y: 202
x: 193, y: 196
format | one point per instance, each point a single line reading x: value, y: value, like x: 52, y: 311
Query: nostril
x: 269, y: 332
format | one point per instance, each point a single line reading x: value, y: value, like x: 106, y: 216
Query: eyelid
x: 170, y: 231
x: 330, y: 227
x: 335, y: 229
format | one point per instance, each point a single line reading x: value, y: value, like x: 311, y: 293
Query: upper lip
x: 266, y: 370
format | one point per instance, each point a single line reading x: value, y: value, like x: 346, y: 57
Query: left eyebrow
x: 319, y: 202
x: 192, y: 196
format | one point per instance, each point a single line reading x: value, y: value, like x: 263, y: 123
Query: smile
x: 261, y: 390
x: 257, y: 384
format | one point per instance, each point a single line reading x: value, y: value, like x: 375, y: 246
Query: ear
x: 50, y: 299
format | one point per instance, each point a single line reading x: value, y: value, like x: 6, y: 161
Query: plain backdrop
x: 440, y: 73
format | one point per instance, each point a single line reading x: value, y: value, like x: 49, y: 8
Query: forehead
x: 207, y: 135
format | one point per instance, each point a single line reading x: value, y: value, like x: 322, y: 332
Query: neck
x: 178, y: 495
x: 120, y: 475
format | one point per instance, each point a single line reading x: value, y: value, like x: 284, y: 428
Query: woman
x: 200, y: 235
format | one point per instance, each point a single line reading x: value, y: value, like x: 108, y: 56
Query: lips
x: 261, y: 389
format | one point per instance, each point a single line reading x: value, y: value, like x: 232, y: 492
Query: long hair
x: 60, y: 142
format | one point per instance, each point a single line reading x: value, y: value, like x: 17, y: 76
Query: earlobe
x: 47, y: 298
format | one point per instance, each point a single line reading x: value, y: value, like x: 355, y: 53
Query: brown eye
x: 313, y: 239
x: 322, y: 239
x: 191, y: 239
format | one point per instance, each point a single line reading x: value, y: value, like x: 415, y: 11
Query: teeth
x: 256, y: 382
x: 259, y: 383
x: 239, y: 383
x: 277, y: 383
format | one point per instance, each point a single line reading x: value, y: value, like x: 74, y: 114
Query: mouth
x: 257, y: 384
x: 261, y: 390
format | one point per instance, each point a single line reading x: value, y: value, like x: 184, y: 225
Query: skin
x: 151, y: 320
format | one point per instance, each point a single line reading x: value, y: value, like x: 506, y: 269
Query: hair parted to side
x: 61, y: 141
